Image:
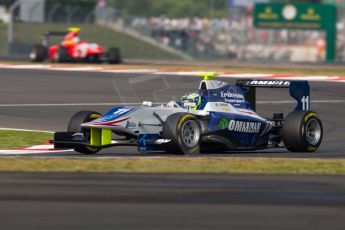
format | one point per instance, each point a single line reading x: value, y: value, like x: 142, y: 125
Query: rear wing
x: 48, y: 34
x: 299, y: 90
x: 55, y: 33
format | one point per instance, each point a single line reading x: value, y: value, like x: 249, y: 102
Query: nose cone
x: 117, y: 116
x: 103, y: 123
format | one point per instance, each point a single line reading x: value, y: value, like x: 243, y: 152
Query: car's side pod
x: 299, y: 90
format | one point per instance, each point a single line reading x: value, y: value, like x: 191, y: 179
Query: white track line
x: 101, y: 69
x: 40, y: 147
x: 18, y: 152
x: 27, y: 130
x: 134, y: 71
x: 115, y: 104
x: 308, y: 78
x: 24, y: 152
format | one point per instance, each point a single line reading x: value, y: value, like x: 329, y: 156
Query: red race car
x: 71, y: 49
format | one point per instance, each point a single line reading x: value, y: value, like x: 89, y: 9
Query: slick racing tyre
x: 302, y: 131
x: 75, y: 126
x: 184, y: 132
x: 114, y: 55
x: 61, y: 54
x: 38, y: 53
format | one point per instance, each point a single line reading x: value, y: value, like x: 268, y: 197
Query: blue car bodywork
x: 226, y: 115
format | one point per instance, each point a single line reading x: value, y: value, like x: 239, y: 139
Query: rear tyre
x: 61, y: 54
x: 114, y: 55
x: 184, y: 132
x: 38, y: 53
x: 302, y: 131
x: 75, y: 126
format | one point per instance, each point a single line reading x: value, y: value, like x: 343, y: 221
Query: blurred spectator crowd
x: 231, y: 37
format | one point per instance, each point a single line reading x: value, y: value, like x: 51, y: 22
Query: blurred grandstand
x: 223, y: 31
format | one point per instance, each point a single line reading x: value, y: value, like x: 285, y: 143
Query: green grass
x: 10, y: 139
x: 31, y: 33
x: 17, y: 139
x: 176, y: 165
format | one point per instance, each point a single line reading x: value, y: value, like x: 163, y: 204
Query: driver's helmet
x: 191, y: 98
x: 72, y: 37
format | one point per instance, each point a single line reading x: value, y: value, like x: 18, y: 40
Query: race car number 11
x: 305, y: 103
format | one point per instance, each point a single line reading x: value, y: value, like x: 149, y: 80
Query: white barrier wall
x: 32, y: 10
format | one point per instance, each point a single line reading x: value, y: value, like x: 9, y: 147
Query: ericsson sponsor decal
x: 244, y: 126
x: 232, y: 97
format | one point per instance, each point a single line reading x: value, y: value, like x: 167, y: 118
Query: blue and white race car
x: 219, y: 117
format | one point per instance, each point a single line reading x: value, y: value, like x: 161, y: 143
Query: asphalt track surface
x: 145, y: 201
x: 160, y: 201
x: 45, y: 100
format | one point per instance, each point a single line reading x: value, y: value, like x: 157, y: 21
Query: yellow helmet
x: 191, y: 100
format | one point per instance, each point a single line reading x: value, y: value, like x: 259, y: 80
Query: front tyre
x: 38, y: 53
x: 184, y: 132
x: 75, y: 126
x: 302, y: 131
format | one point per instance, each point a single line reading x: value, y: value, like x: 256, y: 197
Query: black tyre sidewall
x: 172, y: 130
x: 74, y: 125
x: 294, y: 131
x: 40, y: 53
x: 114, y: 55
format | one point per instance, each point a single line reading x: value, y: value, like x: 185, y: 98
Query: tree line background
x: 169, y: 8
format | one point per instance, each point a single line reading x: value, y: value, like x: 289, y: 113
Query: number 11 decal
x: 305, y: 103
